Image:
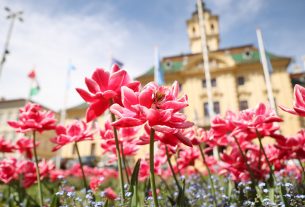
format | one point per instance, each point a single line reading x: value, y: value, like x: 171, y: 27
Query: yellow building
x: 9, y: 110
x: 237, y: 82
x: 237, y: 76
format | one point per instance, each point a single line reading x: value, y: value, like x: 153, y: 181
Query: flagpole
x: 205, y: 57
x: 29, y: 94
x: 156, y: 65
x: 158, y: 73
x: 265, y: 68
x: 13, y: 16
x: 206, y: 67
x: 63, y: 112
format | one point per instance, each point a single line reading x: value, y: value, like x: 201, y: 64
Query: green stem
x: 266, y: 157
x: 254, y: 192
x: 81, y: 166
x: 9, y: 196
x: 264, y: 152
x: 210, y: 176
x: 37, y: 171
x: 151, y: 166
x: 125, y: 164
x: 117, y: 146
x: 172, y: 169
x: 27, y: 195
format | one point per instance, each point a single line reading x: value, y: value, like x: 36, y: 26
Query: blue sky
x: 88, y: 33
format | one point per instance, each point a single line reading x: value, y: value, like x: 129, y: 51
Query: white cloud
x: 235, y: 13
x: 48, y: 42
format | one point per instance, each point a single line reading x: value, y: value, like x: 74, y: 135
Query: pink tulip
x: 5, y: 146
x: 33, y: 118
x: 25, y: 145
x: 299, y: 102
x: 158, y: 106
x: 104, y: 86
x: 95, y: 182
x: 74, y: 132
x: 292, y: 147
x: 8, y: 170
x: 110, y: 194
x: 126, y: 138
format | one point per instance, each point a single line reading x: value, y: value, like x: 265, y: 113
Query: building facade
x: 237, y: 76
x: 237, y: 83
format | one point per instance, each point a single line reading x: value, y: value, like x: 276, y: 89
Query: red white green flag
x: 35, y: 88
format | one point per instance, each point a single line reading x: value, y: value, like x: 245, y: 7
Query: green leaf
x: 106, y: 204
x: 55, y: 201
x: 135, y: 173
x: 182, y: 200
x: 134, y: 179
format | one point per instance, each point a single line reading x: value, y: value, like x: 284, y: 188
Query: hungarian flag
x: 35, y: 88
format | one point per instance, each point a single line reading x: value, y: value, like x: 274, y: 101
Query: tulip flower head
x: 126, y: 139
x: 8, y: 170
x: 158, y: 106
x: 5, y: 146
x: 33, y: 118
x: 75, y: 132
x: 104, y: 86
x: 26, y: 145
x: 299, y: 102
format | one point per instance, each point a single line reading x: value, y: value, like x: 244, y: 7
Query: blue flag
x: 117, y: 62
x: 158, y: 71
x: 70, y: 68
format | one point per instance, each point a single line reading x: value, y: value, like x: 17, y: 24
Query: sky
x: 88, y: 33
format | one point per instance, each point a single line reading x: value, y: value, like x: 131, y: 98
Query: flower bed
x: 231, y: 164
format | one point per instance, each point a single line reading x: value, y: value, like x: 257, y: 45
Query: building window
x: 212, y: 27
x: 213, y: 83
x: 93, y: 148
x: 216, y: 108
x: 247, y: 54
x: 169, y: 64
x: 241, y: 80
x: 243, y: 104
x: 194, y: 30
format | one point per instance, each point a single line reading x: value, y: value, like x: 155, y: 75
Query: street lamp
x: 12, y: 16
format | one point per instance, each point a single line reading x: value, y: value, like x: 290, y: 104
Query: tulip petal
x: 85, y: 95
x: 96, y: 109
x: 127, y: 122
x: 101, y: 77
x: 93, y: 87
x: 116, y: 80
x: 291, y: 111
x: 183, y: 139
x: 164, y: 129
x: 146, y: 97
x: 117, y: 110
x: 129, y: 97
